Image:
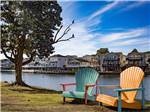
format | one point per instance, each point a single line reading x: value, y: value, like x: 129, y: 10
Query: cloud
x: 94, y: 22
x: 126, y: 46
x: 131, y: 42
x: 126, y: 40
x: 103, y: 10
x: 133, y: 5
x: 123, y: 35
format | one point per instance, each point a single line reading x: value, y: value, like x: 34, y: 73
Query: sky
x: 120, y: 26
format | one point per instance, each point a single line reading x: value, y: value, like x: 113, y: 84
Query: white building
x: 77, y: 62
x: 57, y: 61
x: 6, y: 63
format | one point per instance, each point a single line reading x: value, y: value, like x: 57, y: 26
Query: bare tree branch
x: 65, y: 39
x: 64, y: 33
x: 29, y: 60
x: 10, y: 58
x: 57, y: 32
x: 12, y: 52
x: 60, y: 37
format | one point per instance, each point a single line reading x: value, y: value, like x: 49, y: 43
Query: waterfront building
x: 92, y: 59
x: 37, y: 63
x: 77, y: 62
x: 83, y: 62
x: 135, y: 58
x: 57, y: 61
x: 73, y: 63
x: 113, y: 61
x: 6, y: 64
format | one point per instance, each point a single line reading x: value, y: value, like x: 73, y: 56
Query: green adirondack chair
x: 86, y: 79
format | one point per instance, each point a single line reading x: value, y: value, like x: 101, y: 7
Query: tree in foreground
x: 30, y: 28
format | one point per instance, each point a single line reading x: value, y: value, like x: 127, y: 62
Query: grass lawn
x: 23, y: 99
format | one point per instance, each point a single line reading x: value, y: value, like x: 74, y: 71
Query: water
x: 53, y: 81
x: 48, y: 81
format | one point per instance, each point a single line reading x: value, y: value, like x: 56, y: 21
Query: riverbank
x: 24, y: 99
x: 64, y: 72
x: 43, y: 71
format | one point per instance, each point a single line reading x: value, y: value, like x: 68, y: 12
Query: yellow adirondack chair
x: 130, y: 80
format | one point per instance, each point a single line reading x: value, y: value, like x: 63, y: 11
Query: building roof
x: 118, y: 53
x: 57, y: 55
x: 134, y: 51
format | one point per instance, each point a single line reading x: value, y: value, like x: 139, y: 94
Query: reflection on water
x: 53, y: 81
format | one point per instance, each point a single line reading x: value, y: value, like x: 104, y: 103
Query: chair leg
x: 64, y: 100
x: 85, y: 97
x: 85, y: 101
x: 143, y: 97
x: 100, y: 104
x: 119, y: 102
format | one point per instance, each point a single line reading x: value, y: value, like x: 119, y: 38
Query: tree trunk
x: 18, y: 63
x: 18, y: 69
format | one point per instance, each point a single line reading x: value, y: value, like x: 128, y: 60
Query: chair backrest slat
x: 85, y: 76
x: 131, y: 78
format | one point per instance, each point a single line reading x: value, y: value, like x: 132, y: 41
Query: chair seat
x: 113, y: 101
x: 77, y: 94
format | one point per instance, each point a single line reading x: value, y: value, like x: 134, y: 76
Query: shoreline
x: 65, y: 72
x: 39, y: 71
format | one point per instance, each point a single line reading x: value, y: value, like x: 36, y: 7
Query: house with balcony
x: 135, y: 58
x: 113, y: 61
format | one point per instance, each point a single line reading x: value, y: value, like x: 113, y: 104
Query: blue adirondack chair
x: 85, y: 81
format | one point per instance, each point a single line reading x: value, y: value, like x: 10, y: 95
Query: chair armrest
x: 90, y: 85
x: 67, y: 84
x: 126, y: 90
x: 129, y: 89
x: 107, y: 86
x: 87, y: 86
